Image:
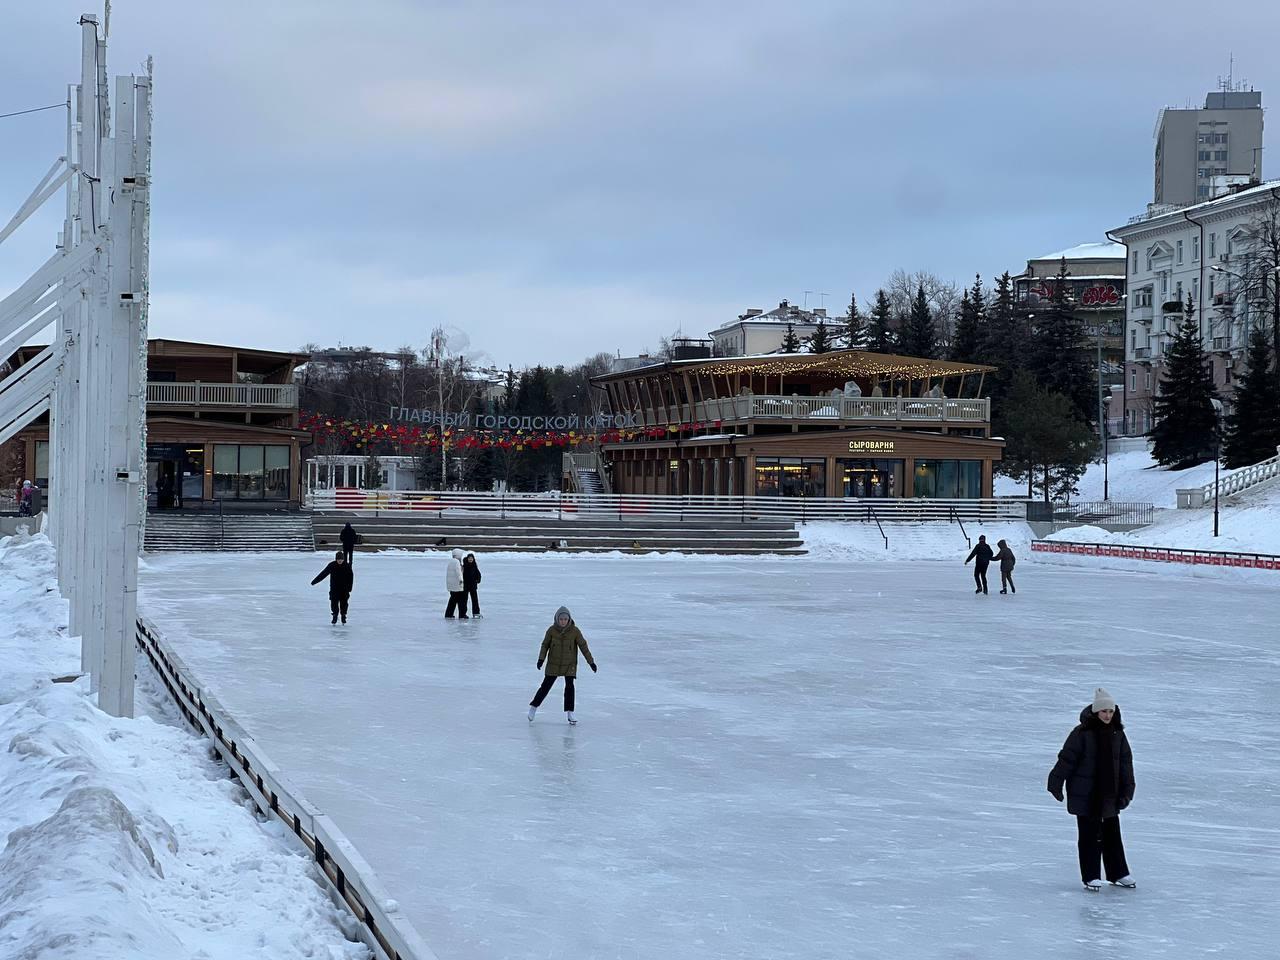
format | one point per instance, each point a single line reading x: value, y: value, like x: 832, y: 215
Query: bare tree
x: 942, y: 296
x: 1259, y: 273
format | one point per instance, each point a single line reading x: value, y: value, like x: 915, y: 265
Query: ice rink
x: 778, y: 758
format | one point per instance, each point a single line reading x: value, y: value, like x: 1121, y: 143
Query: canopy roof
x: 845, y: 364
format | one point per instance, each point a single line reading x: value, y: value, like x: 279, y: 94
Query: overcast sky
x: 554, y: 179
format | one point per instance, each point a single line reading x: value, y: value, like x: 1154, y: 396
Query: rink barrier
x: 1210, y: 558
x: 350, y: 879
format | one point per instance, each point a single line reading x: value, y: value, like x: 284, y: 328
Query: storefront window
x: 948, y: 479
x: 870, y: 477
x: 250, y: 471
x: 791, y: 477
x: 41, y: 479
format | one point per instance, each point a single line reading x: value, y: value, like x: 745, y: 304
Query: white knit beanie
x: 1103, y: 700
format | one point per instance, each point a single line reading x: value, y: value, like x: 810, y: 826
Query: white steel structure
x: 90, y: 300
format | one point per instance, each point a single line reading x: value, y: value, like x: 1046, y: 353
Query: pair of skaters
x: 983, y: 554
x: 462, y: 580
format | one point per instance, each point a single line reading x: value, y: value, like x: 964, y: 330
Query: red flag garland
x: 363, y: 435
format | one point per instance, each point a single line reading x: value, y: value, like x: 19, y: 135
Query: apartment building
x: 1224, y: 138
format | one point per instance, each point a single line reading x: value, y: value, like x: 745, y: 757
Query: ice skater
x: 560, y: 646
x: 454, y: 584
x: 349, y: 539
x: 1007, y: 562
x: 983, y: 554
x: 341, y: 579
x: 470, y: 581
x: 1096, y: 766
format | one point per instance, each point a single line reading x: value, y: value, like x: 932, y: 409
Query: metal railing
x: 653, y: 506
x: 1210, y: 558
x: 1240, y: 480
x: 1100, y: 513
x: 198, y: 394
x: 585, y: 460
x: 348, y: 877
x: 963, y: 532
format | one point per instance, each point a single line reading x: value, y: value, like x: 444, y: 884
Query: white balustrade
x: 284, y: 395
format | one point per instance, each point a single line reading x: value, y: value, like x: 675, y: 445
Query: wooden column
x: 908, y: 478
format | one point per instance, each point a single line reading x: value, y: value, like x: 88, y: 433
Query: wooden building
x: 841, y: 424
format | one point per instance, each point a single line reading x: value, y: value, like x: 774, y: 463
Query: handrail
x: 871, y: 510
x: 956, y: 517
x: 348, y: 876
x: 1243, y: 479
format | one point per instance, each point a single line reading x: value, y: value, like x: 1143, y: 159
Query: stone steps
x: 240, y: 532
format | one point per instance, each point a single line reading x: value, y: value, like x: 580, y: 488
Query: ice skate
x: 1126, y: 881
x: 532, y: 711
x: 569, y: 716
x: 1093, y: 886
x: 335, y: 619
x: 344, y: 619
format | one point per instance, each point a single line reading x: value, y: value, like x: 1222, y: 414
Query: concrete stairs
x: 238, y: 532
x: 589, y: 481
x: 537, y: 535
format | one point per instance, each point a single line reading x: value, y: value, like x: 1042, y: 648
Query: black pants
x: 980, y: 578
x: 349, y: 552
x: 1101, y: 837
x: 1006, y: 581
x: 547, y: 683
x: 458, y: 602
x: 338, y: 604
x: 475, y: 600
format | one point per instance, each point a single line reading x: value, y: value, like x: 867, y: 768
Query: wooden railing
x: 198, y: 394
x: 349, y: 878
x: 654, y: 507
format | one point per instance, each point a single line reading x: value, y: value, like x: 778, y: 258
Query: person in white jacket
x: 457, y: 591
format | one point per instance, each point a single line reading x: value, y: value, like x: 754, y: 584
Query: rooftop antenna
x: 806, y: 299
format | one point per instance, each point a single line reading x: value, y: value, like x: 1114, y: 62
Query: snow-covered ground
x: 125, y: 840
x: 1131, y: 476
x: 784, y: 758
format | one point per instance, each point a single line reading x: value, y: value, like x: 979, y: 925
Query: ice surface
x: 790, y: 758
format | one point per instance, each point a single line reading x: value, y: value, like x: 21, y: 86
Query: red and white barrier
x: 1212, y: 558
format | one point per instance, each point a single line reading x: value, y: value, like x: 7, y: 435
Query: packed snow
x: 780, y: 757
x: 125, y: 839
x: 1133, y: 477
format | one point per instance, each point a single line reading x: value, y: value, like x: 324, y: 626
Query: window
x: 1230, y: 244
x: 1195, y: 289
x: 1133, y: 339
x: 1211, y: 286
x: 1195, y: 248
x: 1203, y: 173
x: 1179, y: 251
x: 1202, y: 191
x: 1219, y: 155
x: 1142, y: 298
x: 1213, y: 245
x: 1178, y: 292
x: 948, y: 479
x: 1203, y: 155
x: 1219, y: 138
x: 250, y: 471
x: 1135, y: 261
x: 1204, y: 138
x: 1133, y: 381
x: 1148, y: 379
x: 791, y: 477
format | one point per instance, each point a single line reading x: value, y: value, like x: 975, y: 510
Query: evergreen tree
x: 1253, y: 425
x: 880, y: 338
x: 790, y: 342
x: 821, y: 341
x: 967, y: 340
x: 920, y: 338
x: 1185, y: 422
x: 1059, y: 357
x: 855, y: 326
x: 1047, y: 443
x: 372, y: 472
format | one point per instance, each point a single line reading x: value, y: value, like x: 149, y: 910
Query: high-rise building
x: 1195, y: 146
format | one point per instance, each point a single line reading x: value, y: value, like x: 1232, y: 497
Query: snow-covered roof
x: 1088, y: 251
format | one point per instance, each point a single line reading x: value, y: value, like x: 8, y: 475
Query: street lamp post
x: 1217, y: 457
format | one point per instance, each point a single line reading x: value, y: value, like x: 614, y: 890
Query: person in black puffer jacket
x: 1095, y: 766
x: 341, y: 580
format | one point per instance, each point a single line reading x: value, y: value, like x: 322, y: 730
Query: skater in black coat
x: 982, y: 553
x: 341, y: 579
x: 1007, y: 562
x: 470, y: 581
x: 1095, y: 766
x: 349, y: 538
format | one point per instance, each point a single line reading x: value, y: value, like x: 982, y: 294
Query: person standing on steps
x: 470, y: 581
x: 454, y: 584
x: 341, y: 579
x: 349, y: 538
x: 560, y: 646
x: 1096, y: 767
x: 1007, y: 561
x: 982, y: 553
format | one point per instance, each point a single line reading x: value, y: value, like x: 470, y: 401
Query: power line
x: 18, y: 113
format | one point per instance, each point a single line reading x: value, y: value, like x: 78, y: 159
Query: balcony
x: 1142, y: 353
x: 833, y: 411
x: 1142, y: 313
x: 1220, y: 345
x: 274, y: 396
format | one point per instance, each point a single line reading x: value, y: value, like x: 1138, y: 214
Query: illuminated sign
x: 871, y: 446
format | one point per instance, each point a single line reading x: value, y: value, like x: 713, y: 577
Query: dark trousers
x: 349, y: 551
x: 1100, y: 837
x: 547, y: 683
x: 458, y: 602
x: 980, y: 578
x: 338, y: 604
x: 1006, y: 581
x: 475, y: 600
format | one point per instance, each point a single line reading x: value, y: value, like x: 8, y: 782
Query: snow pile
x: 125, y: 839
x: 1132, y: 477
x: 833, y: 540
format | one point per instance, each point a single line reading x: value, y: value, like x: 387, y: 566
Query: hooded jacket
x: 470, y: 572
x: 341, y: 578
x: 453, y: 573
x: 1007, y: 559
x: 560, y: 647
x: 348, y: 536
x: 1088, y: 794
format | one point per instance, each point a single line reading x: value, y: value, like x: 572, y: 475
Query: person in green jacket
x: 560, y: 646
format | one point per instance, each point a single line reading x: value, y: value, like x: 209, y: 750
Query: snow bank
x: 125, y: 839
x: 908, y: 541
x: 1132, y: 476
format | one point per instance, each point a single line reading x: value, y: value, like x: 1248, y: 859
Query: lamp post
x: 1217, y: 456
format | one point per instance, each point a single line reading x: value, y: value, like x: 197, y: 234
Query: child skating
x: 560, y: 646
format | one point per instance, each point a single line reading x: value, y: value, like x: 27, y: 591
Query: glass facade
x: 250, y: 471
x: 870, y: 478
x: 948, y: 479
x: 791, y: 477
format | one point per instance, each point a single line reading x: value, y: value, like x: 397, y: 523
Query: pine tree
x: 920, y: 338
x: 821, y: 341
x: 855, y: 326
x: 880, y: 338
x: 1059, y: 359
x: 1046, y: 443
x: 967, y: 341
x: 1253, y: 425
x: 790, y: 342
x: 1185, y: 422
